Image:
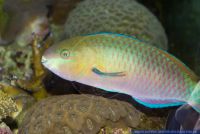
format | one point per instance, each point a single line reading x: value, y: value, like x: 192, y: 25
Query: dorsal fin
x: 112, y: 33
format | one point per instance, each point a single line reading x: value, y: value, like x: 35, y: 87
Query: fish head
x: 69, y: 59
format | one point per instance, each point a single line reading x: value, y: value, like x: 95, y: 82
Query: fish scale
x: 124, y: 64
x: 153, y: 62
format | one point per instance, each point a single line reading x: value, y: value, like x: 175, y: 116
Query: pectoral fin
x: 111, y: 74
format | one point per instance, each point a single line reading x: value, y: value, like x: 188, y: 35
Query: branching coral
x: 22, y: 99
x: 36, y: 85
x: 18, y: 59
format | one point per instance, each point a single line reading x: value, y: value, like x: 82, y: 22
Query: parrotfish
x: 124, y: 64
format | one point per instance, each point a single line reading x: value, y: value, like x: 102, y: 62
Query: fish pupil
x: 64, y: 53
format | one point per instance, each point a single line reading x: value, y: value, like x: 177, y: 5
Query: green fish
x: 124, y: 64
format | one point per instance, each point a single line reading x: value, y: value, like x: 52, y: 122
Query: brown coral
x: 120, y: 16
x: 7, y: 105
x: 36, y: 85
x: 78, y: 114
x: 22, y: 101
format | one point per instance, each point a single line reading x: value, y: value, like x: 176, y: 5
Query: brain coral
x: 121, y: 16
x: 7, y: 105
x: 73, y: 114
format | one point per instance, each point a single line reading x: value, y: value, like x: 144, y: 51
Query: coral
x: 36, y: 85
x: 17, y: 59
x: 78, y: 113
x: 36, y: 24
x: 7, y: 105
x: 120, y: 16
x: 22, y: 100
x: 108, y: 130
x: 4, y: 129
x: 151, y: 123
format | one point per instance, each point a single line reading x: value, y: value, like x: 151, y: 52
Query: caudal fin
x: 194, y: 100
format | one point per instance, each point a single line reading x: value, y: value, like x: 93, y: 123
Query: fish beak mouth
x: 44, y: 60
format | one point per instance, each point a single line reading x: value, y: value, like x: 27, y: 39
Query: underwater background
x: 35, y: 101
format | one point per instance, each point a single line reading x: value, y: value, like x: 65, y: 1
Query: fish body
x: 124, y: 64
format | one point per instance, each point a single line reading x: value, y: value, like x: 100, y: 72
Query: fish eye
x: 64, y: 53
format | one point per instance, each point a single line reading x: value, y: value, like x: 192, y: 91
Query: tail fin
x: 194, y: 100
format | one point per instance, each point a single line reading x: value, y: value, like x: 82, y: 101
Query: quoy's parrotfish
x: 119, y: 63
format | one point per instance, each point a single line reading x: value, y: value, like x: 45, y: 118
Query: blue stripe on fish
x: 161, y: 105
x: 112, y: 33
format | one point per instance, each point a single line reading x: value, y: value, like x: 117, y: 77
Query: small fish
x: 124, y: 64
